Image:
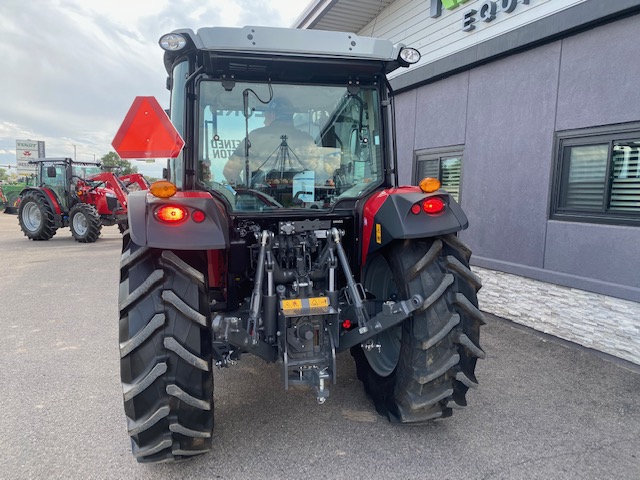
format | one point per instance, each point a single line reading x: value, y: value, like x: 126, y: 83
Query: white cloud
x: 72, y: 67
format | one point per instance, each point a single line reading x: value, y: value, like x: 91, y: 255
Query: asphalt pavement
x: 545, y: 409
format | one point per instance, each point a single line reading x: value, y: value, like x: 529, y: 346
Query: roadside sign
x: 28, y: 150
x: 147, y: 132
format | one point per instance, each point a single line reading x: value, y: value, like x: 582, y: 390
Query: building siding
x: 608, y: 253
x: 572, y: 280
x: 509, y: 146
x: 595, y: 321
x: 410, y: 22
x: 441, y: 113
x: 405, y: 134
x: 508, y: 111
x: 599, y: 76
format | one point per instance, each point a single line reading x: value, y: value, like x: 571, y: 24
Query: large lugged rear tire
x: 84, y: 222
x: 35, y: 217
x: 422, y: 369
x: 165, y: 350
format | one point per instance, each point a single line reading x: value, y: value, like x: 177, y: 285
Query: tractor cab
x: 297, y: 116
x: 306, y: 146
x: 63, y: 176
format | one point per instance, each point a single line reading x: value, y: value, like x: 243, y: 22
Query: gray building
x: 529, y: 112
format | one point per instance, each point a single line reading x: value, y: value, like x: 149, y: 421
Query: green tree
x: 120, y: 166
x: 3, y: 175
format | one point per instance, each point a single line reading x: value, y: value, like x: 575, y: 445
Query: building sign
x: 487, y: 11
x: 28, y: 150
x: 436, y: 6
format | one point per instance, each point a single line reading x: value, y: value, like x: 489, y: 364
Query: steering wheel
x: 92, y: 183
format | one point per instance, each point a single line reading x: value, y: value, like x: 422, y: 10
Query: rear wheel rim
x: 379, y: 281
x: 31, y: 217
x: 80, y: 224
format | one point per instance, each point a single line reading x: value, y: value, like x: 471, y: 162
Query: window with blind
x: 443, y: 164
x: 598, y: 176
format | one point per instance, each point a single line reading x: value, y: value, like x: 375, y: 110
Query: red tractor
x: 280, y: 231
x: 134, y: 182
x: 74, y: 194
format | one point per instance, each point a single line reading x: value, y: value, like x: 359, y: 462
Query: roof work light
x: 409, y: 55
x: 173, y: 42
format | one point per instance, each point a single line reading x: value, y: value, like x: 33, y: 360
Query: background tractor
x: 10, y: 193
x: 74, y: 194
x: 134, y: 181
x: 3, y: 200
x: 280, y: 231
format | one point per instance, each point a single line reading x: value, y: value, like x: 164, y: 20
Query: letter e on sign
x: 469, y: 20
x: 147, y: 132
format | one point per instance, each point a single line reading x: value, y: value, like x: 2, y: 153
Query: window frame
x: 607, y: 134
x: 438, y: 154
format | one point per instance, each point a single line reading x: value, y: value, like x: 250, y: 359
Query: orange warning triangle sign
x: 147, y: 132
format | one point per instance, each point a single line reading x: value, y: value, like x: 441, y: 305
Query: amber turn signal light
x: 163, y: 189
x: 429, y: 184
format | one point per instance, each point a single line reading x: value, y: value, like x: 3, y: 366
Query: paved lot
x: 544, y: 409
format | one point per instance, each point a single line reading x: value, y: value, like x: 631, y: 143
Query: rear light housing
x: 171, y: 214
x: 431, y: 205
x: 176, y: 214
x: 198, y: 216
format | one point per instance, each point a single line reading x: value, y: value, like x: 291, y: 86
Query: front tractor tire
x: 166, y: 352
x: 35, y: 217
x: 422, y: 368
x: 85, y: 223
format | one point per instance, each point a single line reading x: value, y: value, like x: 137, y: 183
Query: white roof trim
x: 340, y: 15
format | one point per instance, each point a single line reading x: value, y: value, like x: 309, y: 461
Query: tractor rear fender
x: 49, y: 195
x: 147, y: 229
x: 387, y: 216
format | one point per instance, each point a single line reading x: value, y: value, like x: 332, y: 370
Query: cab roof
x: 289, y: 43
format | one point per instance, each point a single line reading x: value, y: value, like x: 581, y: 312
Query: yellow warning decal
x: 312, y: 305
x: 378, y: 233
x: 319, y: 302
x: 295, y: 304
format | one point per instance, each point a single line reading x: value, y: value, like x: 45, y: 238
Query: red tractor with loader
x: 280, y: 231
x: 78, y: 195
x: 134, y: 181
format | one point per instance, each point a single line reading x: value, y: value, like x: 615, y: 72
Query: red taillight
x: 198, y: 216
x: 171, y: 214
x: 346, y: 324
x: 416, y: 208
x: 433, y: 205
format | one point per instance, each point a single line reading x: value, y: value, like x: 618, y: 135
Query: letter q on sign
x: 488, y: 11
x: 509, y: 6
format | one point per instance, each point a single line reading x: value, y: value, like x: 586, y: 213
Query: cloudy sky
x: 71, y: 68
